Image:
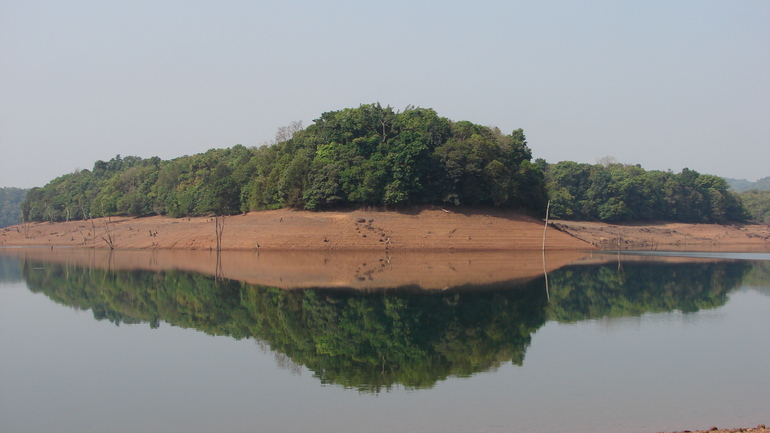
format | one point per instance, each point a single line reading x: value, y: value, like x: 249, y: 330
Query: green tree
x: 615, y: 192
x: 366, y: 156
x: 757, y: 203
x: 10, y: 205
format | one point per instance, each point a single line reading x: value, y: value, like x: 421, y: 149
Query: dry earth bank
x: 670, y: 236
x: 759, y: 429
x: 421, y: 229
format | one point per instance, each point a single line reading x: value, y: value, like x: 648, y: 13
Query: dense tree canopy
x: 757, y: 203
x: 365, y: 156
x: 10, y: 204
x: 375, y: 156
x: 617, y: 192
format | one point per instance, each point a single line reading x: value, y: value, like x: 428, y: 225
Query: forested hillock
x: 366, y: 156
x: 617, y: 192
x: 375, y: 156
x: 10, y: 204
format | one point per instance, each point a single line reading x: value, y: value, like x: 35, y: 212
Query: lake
x: 126, y: 341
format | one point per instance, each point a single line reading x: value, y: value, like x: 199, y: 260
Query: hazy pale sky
x: 665, y: 84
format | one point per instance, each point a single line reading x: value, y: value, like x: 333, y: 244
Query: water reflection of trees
x: 759, y: 277
x: 374, y: 340
x: 587, y: 292
x: 10, y: 271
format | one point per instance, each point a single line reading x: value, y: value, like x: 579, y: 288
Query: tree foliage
x: 757, y: 203
x: 616, y: 192
x: 365, y: 156
x: 10, y: 205
x: 376, y: 156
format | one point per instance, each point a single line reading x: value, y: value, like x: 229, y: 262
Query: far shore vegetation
x: 10, y: 205
x: 374, y: 156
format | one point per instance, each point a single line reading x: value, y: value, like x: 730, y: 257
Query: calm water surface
x: 640, y: 344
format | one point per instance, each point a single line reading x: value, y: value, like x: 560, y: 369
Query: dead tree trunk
x: 108, y: 235
x: 24, y: 224
x: 219, y: 228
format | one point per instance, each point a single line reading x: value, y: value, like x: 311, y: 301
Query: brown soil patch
x: 426, y: 229
x: 759, y: 429
x: 670, y: 236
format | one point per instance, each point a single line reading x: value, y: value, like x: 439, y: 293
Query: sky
x: 664, y: 84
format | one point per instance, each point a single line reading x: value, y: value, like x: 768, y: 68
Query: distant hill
x: 740, y: 185
x: 10, y: 203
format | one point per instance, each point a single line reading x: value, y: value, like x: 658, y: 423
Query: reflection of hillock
x: 587, y: 292
x: 371, y: 340
x: 374, y: 340
x: 10, y: 271
x: 758, y: 278
x: 366, y: 340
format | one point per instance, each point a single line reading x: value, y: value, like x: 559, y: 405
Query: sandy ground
x: 428, y: 229
x: 671, y: 236
x: 759, y: 429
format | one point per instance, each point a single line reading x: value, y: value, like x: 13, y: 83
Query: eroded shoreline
x: 427, y: 229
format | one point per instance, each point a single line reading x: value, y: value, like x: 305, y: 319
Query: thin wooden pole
x: 545, y: 272
x: 545, y: 229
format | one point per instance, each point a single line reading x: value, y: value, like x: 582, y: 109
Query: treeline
x: 375, y: 156
x: 757, y: 203
x: 366, y: 156
x: 10, y: 205
x: 616, y: 192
